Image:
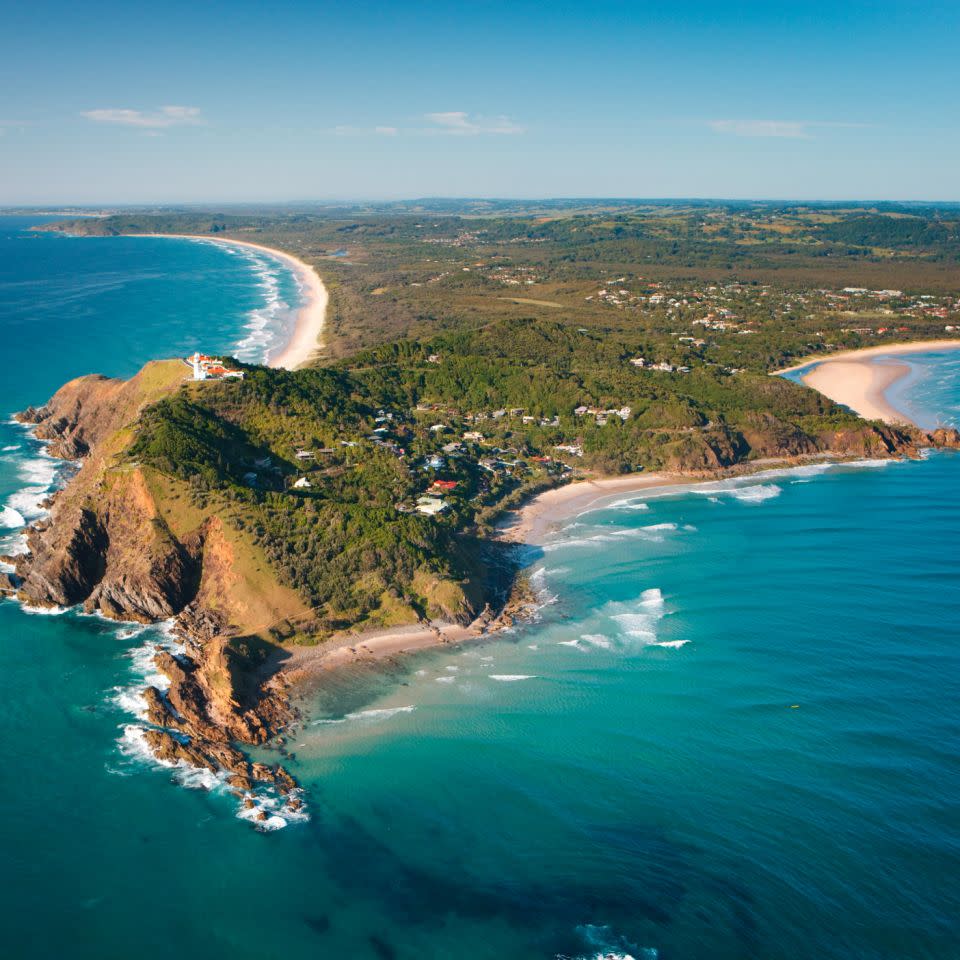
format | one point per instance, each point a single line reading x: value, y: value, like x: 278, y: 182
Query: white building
x: 431, y: 505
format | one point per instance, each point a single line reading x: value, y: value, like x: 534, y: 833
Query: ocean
x: 730, y: 733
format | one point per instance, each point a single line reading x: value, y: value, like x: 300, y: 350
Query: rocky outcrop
x: 768, y: 436
x: 78, y: 415
x: 872, y: 440
x: 701, y: 451
x: 200, y: 717
x: 67, y: 559
x: 946, y: 438
x: 106, y: 545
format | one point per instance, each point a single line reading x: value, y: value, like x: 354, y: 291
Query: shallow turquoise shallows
x: 733, y: 732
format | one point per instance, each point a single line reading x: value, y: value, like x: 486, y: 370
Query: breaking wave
x: 11, y: 518
x: 267, y: 326
x: 602, y: 943
x: 379, y: 713
x: 627, y: 504
x: 755, y: 493
x: 652, y: 533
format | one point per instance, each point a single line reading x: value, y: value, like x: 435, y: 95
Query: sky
x: 200, y: 102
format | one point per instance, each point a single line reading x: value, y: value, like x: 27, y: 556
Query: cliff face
x: 762, y: 436
x: 112, y: 544
x: 112, y: 553
x: 104, y: 544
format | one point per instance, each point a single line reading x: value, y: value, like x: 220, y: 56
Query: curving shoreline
x: 861, y: 385
x: 306, y: 340
x: 860, y: 379
x: 857, y: 379
x: 881, y: 350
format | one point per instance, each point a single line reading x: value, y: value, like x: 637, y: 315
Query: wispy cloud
x: 161, y: 118
x: 455, y: 123
x: 787, y: 129
x: 462, y: 124
x: 347, y: 131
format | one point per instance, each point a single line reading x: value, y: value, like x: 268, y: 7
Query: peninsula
x: 357, y: 503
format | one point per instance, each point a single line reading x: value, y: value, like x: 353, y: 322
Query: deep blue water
x: 732, y: 734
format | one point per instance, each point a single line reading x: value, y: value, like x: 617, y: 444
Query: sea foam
x: 11, y: 518
x: 267, y: 324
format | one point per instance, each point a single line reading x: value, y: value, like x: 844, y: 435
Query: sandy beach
x: 860, y: 385
x: 537, y: 518
x: 373, y: 646
x: 855, y: 378
x: 890, y: 349
x: 859, y: 379
x: 308, y: 330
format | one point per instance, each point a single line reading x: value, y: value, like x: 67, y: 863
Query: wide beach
x: 305, y: 341
x: 860, y: 379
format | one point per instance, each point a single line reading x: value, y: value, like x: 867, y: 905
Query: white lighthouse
x: 198, y: 372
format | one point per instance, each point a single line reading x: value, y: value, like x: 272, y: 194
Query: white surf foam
x: 374, y: 714
x: 11, y: 519
x: 652, y: 597
x: 380, y: 713
x: 638, y: 620
x: 753, y: 493
x: 628, y: 504
x: 652, y: 532
x: 603, y: 944
x: 756, y: 494
x: 43, y: 611
x: 276, y: 810
x: 267, y: 323
x: 511, y: 677
x: 597, y: 640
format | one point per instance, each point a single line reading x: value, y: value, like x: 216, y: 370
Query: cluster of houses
x: 494, y: 465
x: 515, y: 276
x: 602, y: 416
x: 662, y: 365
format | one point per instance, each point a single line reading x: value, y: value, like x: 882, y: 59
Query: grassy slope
x: 237, y: 579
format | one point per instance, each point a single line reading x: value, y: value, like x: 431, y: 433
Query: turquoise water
x: 731, y: 734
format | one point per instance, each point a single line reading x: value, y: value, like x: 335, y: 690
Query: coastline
x: 306, y: 663
x: 892, y: 349
x: 860, y: 379
x: 535, y: 520
x: 305, y: 341
x: 529, y: 525
x: 862, y: 386
x: 854, y: 378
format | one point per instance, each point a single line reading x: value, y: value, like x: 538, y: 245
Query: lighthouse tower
x: 198, y: 372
